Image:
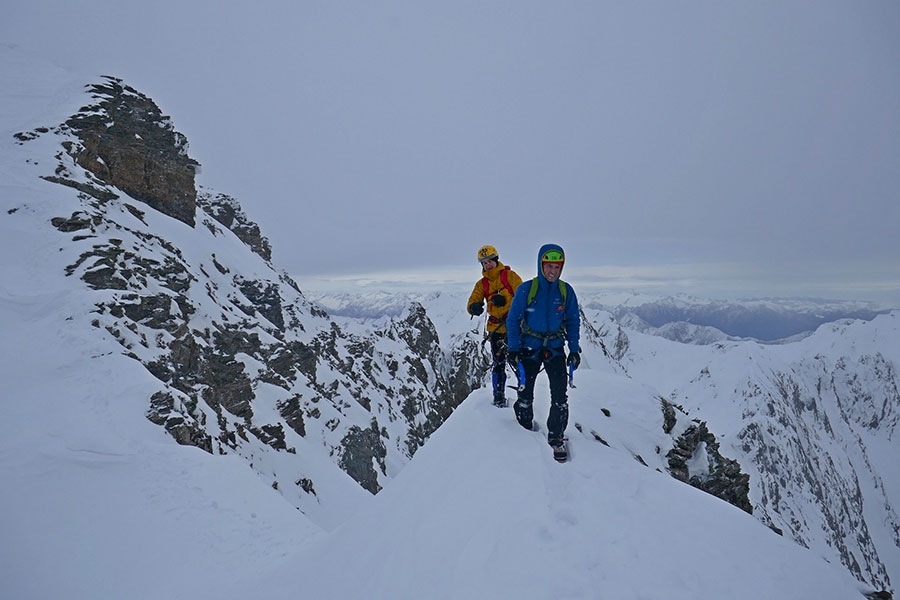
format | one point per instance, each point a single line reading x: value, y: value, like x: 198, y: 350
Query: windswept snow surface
x: 483, y: 511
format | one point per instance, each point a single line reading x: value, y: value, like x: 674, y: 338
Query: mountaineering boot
x: 560, y: 451
x: 500, y: 400
x: 525, y: 415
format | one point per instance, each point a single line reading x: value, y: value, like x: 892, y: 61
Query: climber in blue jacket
x: 542, y: 319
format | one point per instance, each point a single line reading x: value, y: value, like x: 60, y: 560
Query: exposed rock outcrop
x: 228, y: 212
x: 695, y: 459
x: 125, y: 142
x: 245, y: 362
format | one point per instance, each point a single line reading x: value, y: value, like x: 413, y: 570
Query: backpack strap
x: 504, y: 279
x: 532, y: 292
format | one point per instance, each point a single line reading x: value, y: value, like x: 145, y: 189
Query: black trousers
x: 554, y: 362
x: 498, y: 367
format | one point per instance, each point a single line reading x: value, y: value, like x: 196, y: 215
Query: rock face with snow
x: 695, y: 459
x: 125, y: 142
x: 814, y: 424
x: 245, y: 363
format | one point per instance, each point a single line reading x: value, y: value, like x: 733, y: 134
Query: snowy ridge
x: 93, y: 487
x: 485, y: 512
x: 812, y: 420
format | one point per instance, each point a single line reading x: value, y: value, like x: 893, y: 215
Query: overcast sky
x: 712, y: 147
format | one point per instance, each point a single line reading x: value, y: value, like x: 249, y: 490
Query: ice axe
x: 521, y: 376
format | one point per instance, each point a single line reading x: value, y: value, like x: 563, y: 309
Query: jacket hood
x: 547, y: 248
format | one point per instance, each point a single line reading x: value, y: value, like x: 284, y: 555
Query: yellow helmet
x: 487, y: 252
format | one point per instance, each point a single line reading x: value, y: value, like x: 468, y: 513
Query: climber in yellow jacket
x: 498, y: 286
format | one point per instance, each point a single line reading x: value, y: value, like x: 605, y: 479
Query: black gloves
x: 498, y: 300
x: 512, y: 357
x: 476, y: 308
x: 574, y: 359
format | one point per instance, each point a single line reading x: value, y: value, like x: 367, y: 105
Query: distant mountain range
x: 765, y: 320
x: 680, y: 318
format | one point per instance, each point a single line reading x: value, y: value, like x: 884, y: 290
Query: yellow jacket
x: 491, y: 284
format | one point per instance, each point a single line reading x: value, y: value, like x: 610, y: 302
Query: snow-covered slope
x: 812, y: 420
x: 98, y: 502
x: 814, y: 423
x: 115, y: 315
x: 101, y: 503
x: 485, y: 512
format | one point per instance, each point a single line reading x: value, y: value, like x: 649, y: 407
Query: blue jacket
x: 546, y: 314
